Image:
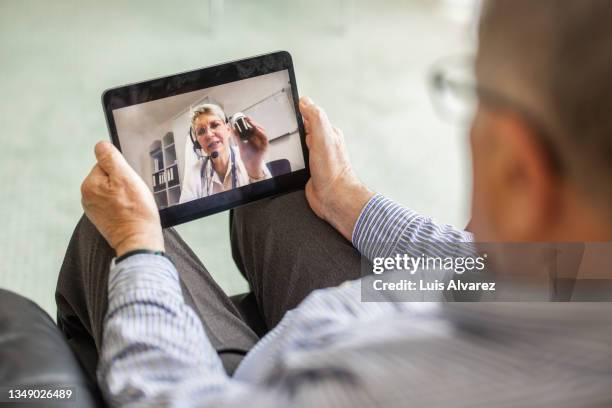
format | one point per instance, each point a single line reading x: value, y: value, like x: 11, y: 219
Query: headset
x: 197, y: 147
x: 204, y: 175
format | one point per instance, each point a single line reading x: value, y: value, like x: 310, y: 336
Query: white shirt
x: 201, y: 180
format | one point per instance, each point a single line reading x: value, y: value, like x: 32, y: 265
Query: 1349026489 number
x: 31, y: 393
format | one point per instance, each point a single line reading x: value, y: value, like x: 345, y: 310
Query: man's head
x: 542, y: 137
x: 210, y: 128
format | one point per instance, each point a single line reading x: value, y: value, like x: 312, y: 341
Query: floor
x: 365, y: 62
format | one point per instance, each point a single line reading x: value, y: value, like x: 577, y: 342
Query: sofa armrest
x: 34, y: 353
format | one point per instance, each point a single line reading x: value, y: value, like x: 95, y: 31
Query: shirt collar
x: 228, y: 173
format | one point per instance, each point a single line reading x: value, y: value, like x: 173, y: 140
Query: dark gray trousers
x: 281, y: 247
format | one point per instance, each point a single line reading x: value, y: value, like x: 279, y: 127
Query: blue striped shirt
x: 335, y: 351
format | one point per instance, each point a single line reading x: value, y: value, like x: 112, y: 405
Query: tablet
x: 212, y: 139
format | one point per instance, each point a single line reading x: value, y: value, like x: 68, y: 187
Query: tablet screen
x: 209, y: 149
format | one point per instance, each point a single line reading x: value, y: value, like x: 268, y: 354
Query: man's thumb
x: 110, y: 159
x: 316, y: 117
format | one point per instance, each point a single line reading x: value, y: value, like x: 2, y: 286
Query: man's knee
x: 81, y: 287
x: 86, y: 235
x: 278, y: 215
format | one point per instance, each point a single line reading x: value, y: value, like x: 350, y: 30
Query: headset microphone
x: 197, y: 147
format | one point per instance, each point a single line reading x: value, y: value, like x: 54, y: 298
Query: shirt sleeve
x: 152, y: 341
x: 385, y: 228
x: 155, y: 351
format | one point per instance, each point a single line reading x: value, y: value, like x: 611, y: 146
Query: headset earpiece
x: 194, y: 140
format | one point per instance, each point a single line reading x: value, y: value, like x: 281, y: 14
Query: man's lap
x: 285, y: 252
x: 283, y: 249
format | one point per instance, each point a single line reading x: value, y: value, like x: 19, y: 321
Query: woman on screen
x: 226, y: 161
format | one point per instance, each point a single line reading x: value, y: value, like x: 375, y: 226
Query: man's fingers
x: 339, y: 133
x: 93, y: 182
x: 96, y: 176
x: 111, y: 160
x: 304, y: 106
x: 305, y: 101
x: 311, y: 112
x: 308, y: 109
x: 306, y: 124
x: 318, y: 122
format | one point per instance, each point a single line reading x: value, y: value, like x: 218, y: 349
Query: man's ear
x: 522, y: 186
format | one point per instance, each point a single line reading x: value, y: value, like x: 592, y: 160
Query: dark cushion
x: 33, y: 353
x: 279, y: 167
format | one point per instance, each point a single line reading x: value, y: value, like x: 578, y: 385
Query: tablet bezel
x: 154, y: 89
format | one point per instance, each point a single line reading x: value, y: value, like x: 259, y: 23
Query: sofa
x: 35, y: 354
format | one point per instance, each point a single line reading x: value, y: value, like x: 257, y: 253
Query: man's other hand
x: 333, y: 192
x: 119, y: 203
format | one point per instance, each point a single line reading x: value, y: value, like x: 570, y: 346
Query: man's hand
x: 118, y: 202
x: 334, y: 192
x: 252, y: 150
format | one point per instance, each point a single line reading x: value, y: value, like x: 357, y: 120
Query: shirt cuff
x: 143, y: 271
x: 380, y: 226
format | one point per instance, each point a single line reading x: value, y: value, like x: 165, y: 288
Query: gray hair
x: 555, y: 58
x: 208, y: 109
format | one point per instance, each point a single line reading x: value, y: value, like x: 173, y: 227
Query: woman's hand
x: 253, y: 149
x: 119, y: 203
x: 333, y: 192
